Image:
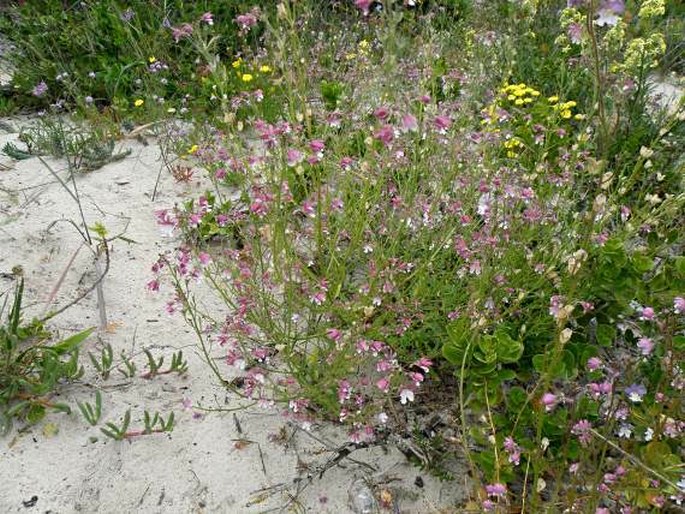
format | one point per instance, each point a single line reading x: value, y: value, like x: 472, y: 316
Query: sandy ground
x: 202, y: 466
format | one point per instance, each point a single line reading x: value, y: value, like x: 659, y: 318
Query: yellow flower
x: 193, y: 149
x: 511, y: 98
x: 237, y: 63
x: 247, y: 77
x: 139, y: 102
x: 152, y: 59
x: 553, y: 99
x: 363, y: 44
x: 351, y: 56
x: 527, y: 100
x: 566, y: 114
x: 579, y: 117
x: 518, y: 101
x: 264, y: 68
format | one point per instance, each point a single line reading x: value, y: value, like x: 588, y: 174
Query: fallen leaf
x: 113, y: 326
x: 386, y: 498
x: 50, y: 430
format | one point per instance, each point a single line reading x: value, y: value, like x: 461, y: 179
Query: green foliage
x: 31, y: 369
x: 92, y: 413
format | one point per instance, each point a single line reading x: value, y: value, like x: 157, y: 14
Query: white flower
x: 625, y: 430
x: 383, y: 418
x: 406, y: 395
x: 649, y: 434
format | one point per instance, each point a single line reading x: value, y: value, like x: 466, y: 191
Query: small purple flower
x: 609, y: 12
x: 409, y: 123
x: 646, y: 345
x: 127, y: 15
x: 594, y: 363
x: 442, y: 124
x: 317, y: 146
x: 582, y: 429
x: 385, y: 134
x: 40, y: 89
x: 207, y: 18
x: 549, y: 400
x: 248, y: 20
x: 498, y: 490
x: 575, y: 32
x: 294, y: 157
x: 635, y: 392
x: 647, y: 314
x: 181, y: 31
x: 679, y: 305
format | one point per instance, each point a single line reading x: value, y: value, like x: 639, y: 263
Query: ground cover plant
x: 456, y: 215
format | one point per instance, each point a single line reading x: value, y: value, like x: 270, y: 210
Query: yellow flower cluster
x: 520, y: 94
x: 565, y: 108
x: 511, y: 146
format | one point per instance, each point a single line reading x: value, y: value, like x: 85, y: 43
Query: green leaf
x: 61, y: 407
x: 542, y: 363
x: 35, y: 413
x: 509, y: 350
x: 679, y: 343
x: 655, y: 454
x: 517, y: 397
x: 506, y: 374
x: 606, y: 335
x: 641, y: 263
x: 72, y: 342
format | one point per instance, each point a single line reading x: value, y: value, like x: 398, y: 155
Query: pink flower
x: 344, y: 391
x: 647, y: 314
x: 317, y: 146
x: 383, y: 384
x: 488, y: 505
x: 385, y: 134
x: 346, y: 163
x: 364, y: 5
x: 294, y: 157
x: 497, y: 490
x: 582, y: 429
x: 646, y: 345
x: 424, y: 363
x: 207, y: 18
x: 442, y: 124
x: 334, y: 334
x: 204, y: 258
x: 574, y: 33
x: 549, y: 400
x: 409, y: 123
x: 248, y: 20
x: 593, y: 363
x: 513, y: 450
x: 182, y: 31
x: 679, y: 305
x: 381, y: 113
x: 40, y: 89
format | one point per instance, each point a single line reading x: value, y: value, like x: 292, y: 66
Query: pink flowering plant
x: 364, y: 253
x: 406, y: 210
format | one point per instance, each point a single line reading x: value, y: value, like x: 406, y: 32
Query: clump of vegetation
x: 31, y: 368
x: 426, y: 206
